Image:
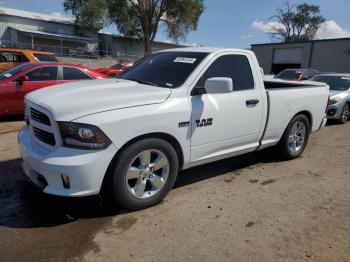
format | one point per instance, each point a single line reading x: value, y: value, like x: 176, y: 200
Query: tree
x: 140, y: 18
x: 295, y: 24
x: 87, y: 13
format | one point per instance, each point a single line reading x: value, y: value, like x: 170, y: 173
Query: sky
x: 228, y: 23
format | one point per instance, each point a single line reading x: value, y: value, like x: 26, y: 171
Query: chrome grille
x: 44, y: 136
x: 40, y: 117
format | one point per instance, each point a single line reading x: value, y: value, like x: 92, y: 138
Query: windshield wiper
x: 142, y: 81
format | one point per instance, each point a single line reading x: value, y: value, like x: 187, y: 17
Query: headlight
x: 334, y: 100
x: 83, y: 136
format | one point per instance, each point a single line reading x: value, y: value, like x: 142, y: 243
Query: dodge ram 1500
x: 172, y: 110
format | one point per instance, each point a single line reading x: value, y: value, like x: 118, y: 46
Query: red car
x: 16, y: 82
x: 297, y: 74
x: 115, y: 70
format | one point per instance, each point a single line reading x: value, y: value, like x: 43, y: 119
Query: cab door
x: 30, y: 81
x: 223, y: 124
x: 7, y: 91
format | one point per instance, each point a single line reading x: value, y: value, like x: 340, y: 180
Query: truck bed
x: 305, y: 96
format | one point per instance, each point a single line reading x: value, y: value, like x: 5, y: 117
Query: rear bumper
x: 85, y: 169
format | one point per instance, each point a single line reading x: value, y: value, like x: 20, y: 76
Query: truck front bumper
x: 64, y: 171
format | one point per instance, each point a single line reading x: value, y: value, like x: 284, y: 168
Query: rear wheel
x: 295, y: 137
x: 344, y: 114
x: 144, y: 173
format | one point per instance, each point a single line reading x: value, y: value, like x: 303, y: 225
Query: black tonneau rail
x: 273, y: 84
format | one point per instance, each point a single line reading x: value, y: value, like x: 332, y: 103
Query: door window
x: 12, y: 57
x: 71, y: 73
x: 47, y: 73
x: 236, y: 67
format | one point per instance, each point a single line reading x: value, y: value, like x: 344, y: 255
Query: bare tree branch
x: 296, y: 23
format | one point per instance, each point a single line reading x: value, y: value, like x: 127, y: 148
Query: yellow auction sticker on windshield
x: 186, y: 60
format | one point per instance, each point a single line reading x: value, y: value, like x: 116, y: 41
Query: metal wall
x: 14, y: 38
x: 30, y: 24
x: 332, y: 56
x: 324, y: 55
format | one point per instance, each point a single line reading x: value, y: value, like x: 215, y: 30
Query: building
x: 53, y: 32
x: 56, y: 33
x: 330, y: 55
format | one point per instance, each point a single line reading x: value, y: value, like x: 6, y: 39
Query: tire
x: 344, y: 114
x: 143, y: 174
x: 295, y: 137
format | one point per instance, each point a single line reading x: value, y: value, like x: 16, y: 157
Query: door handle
x: 252, y: 102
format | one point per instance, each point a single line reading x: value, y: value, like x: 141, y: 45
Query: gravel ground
x: 249, y: 208
x: 9, y: 125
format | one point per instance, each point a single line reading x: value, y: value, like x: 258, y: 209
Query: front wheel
x: 295, y: 137
x: 344, y: 114
x: 143, y: 174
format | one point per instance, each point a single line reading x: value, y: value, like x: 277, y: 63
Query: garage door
x: 287, y: 55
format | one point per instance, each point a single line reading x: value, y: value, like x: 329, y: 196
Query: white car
x: 173, y: 110
x: 339, y: 92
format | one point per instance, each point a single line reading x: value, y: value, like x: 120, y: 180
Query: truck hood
x: 70, y: 101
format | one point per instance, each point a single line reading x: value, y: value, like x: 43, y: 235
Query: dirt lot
x: 250, y: 208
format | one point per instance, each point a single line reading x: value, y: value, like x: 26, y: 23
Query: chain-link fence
x: 72, y: 52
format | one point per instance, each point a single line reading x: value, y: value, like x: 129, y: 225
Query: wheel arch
x: 307, y: 114
x: 164, y: 136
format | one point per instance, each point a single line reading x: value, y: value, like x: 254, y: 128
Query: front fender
x: 124, y: 125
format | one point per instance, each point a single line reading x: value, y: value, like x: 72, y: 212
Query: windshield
x: 164, y: 69
x: 289, y: 75
x: 13, y: 71
x: 338, y: 83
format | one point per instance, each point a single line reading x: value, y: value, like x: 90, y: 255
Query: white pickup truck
x: 172, y: 110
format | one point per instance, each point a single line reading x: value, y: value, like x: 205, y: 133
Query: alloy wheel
x: 147, y: 174
x: 297, y: 137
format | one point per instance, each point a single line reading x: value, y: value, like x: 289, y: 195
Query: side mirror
x: 22, y: 79
x: 218, y: 85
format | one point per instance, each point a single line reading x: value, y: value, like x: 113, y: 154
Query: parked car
x: 115, y: 70
x: 20, y: 80
x: 297, y: 74
x: 11, y: 57
x: 173, y: 110
x: 339, y: 89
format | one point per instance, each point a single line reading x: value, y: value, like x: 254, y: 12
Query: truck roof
x: 5, y: 49
x: 53, y: 63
